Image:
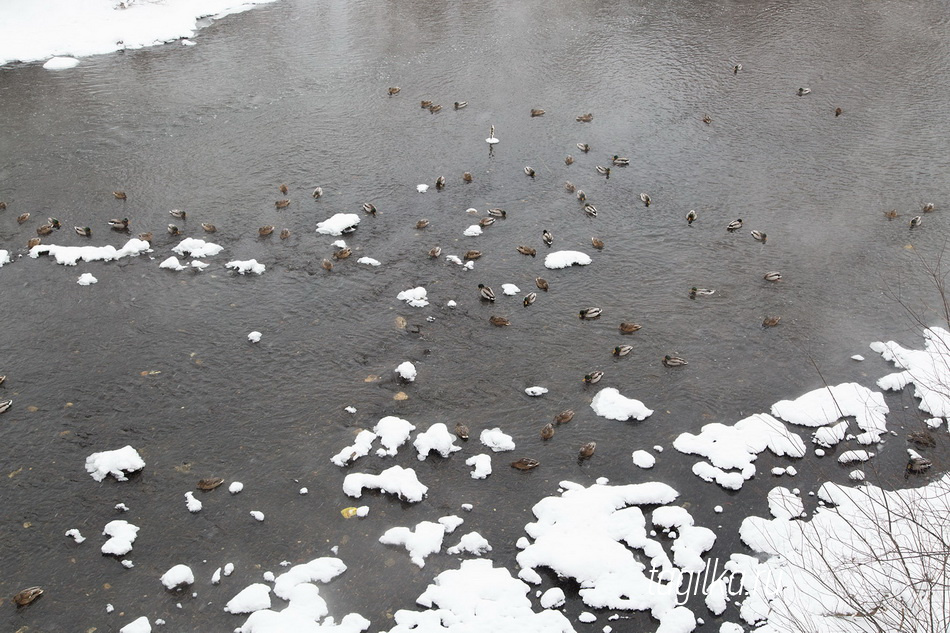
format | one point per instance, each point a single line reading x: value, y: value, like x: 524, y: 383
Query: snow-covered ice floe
x: 416, y: 297
x: 70, y: 255
x: 563, y: 259
x: 115, y: 463
x: 396, y: 480
x: 928, y: 369
x: 339, y: 224
x: 246, y: 266
x: 827, y: 405
x: 197, y: 248
x: 608, y: 403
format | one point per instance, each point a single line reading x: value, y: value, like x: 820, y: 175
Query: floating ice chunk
x: 857, y: 357
x: 730, y: 481
x: 856, y: 475
x: 422, y: 188
x: 927, y: 369
x: 187, y: 42
x: 783, y: 504
x: 139, y: 625
x: 730, y: 627
x: 553, y: 598
x: 849, y: 457
x: 257, y: 514
x: 86, y: 279
x: 216, y: 576
x: 197, y: 248
x: 934, y: 423
x: 252, y: 598
x: 536, y: 391
x: 828, y: 436
x: 246, y: 266
x: 643, y: 459
x: 608, y: 403
x: 437, y: 439
x: 61, y: 63
x: 360, y: 448
x: 393, y: 432
x: 322, y: 570
x: 115, y: 463
x: 496, y: 440
x: 350, y: 409
x: 369, y: 261
x: 193, y: 504
x: 75, y: 535
x: 451, y: 303
x: 172, y: 263
x: 339, y: 224
x: 563, y: 259
x: 406, y: 371
x: 121, y: 536
x: 716, y: 594
x: 235, y: 487
x: 472, y: 231
x: 510, y: 289
x: 451, y: 522
x: 70, y: 255
x: 416, y: 297
x: 481, y: 465
x: 586, y: 617
x: 455, y: 259
x: 339, y: 244
x: 4, y: 257
x: 395, y: 480
x: 424, y: 540
x: 178, y: 576
x: 826, y: 405
x: 254, y: 337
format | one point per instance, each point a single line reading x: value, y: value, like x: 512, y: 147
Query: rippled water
x: 295, y: 93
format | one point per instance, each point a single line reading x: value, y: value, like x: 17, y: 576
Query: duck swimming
x: 498, y: 321
x: 529, y: 298
x: 547, y: 237
x: 735, y: 225
x: 585, y: 118
x: 486, y: 293
x: 537, y: 112
x: 674, y: 361
x: 690, y: 217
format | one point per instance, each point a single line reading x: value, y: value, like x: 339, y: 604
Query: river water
x: 296, y: 92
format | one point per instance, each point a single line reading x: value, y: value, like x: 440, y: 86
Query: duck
x: 701, y: 292
x: 927, y: 208
x: 584, y: 147
x: 838, y: 112
x: 587, y: 450
x: 570, y: 187
x: 525, y: 463
x: 603, y: 171
x: 486, y: 222
x: 119, y: 195
x: 915, y: 221
x: 620, y: 161
x: 581, y: 195
x: 146, y: 237
x: 890, y: 215
x: 568, y: 160
x: 435, y: 251
x: 674, y: 361
x: 435, y: 107
x: 537, y: 112
x: 174, y: 230
x: 629, y: 328
x: 498, y: 213
x: 527, y: 250
x: 425, y: 103
x: 803, y: 91
x: 326, y: 264
x: 590, y: 210
x: 593, y: 377
x: 918, y: 464
x: 317, y: 192
x: 706, y: 119
x: 529, y: 171
x: 208, y: 227
x: 691, y: 217
x: 209, y: 483
x: 440, y: 182
x: 84, y: 231
x: 486, y: 293
x: 53, y: 222
x: 758, y: 236
x: 541, y: 283
x: 622, y: 350
x: 421, y: 224
x: 45, y: 229
x: 467, y: 177
x: 547, y: 237
x: 498, y: 321
x: 284, y: 234
x: 25, y: 597
x: 460, y: 104
x: 922, y: 438
x: 343, y: 253
x: 33, y: 241
x: 564, y: 416
x: 590, y: 313
x: 23, y: 217
x: 773, y: 276
x: 461, y: 431
x: 547, y: 431
x: 736, y: 69
x: 530, y: 298
x: 3, y: 206
x: 394, y: 90
x: 283, y: 188
x: 264, y: 230
x: 2, y: 379
x: 282, y: 204
x: 369, y: 208
x: 597, y: 243
x: 734, y: 226
x: 470, y: 255
x: 645, y: 199
x: 177, y: 213
x: 5, y: 404
x: 771, y: 321
x: 585, y: 118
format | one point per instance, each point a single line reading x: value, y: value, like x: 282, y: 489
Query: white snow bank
x: 246, y: 266
x: 608, y: 403
x: 70, y: 255
x: 178, y: 576
x: 197, y: 248
x: 928, y: 369
x: 61, y: 63
x: 563, y: 259
x: 396, y: 480
x: 829, y: 404
x: 339, y: 224
x: 416, y: 297
x: 115, y: 463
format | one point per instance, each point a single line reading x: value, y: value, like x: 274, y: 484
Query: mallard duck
x: 178, y: 213
x: 597, y: 243
x: 530, y: 298
x: 691, y: 217
x: 734, y: 226
x: 209, y: 228
x: 758, y: 236
x: 326, y: 264
x: 570, y: 187
x: 23, y: 217
x: 771, y: 321
x: 736, y: 69
x: 486, y: 293
x: 146, y: 237
x: 838, y: 112
x: 209, y: 483
x: 564, y: 416
x: 584, y: 147
x: 174, y: 230
x: 25, y: 597
x: 590, y: 210
x: 369, y: 208
x: 284, y: 234
x: 343, y: 253
x: 773, y: 276
x: 84, y: 231
x: 568, y: 160
x: 922, y: 438
x: 541, y: 283
x: 119, y: 225
x: 498, y: 321
x: 119, y: 195
x: 282, y: 204
x: 435, y: 107
x: 283, y: 189
x: 803, y: 91
x: 5, y: 404
x: 590, y: 313
x: 593, y: 377
x: 619, y: 161
x: 701, y: 292
x: 537, y: 112
x: 33, y: 241
x: 467, y: 177
x: 460, y: 104
x: 394, y: 90
x: 927, y: 208
x: 547, y: 431
x: 435, y: 251
x: 440, y: 182
x: 622, y: 350
x: 318, y: 192
x: 581, y: 195
x: 706, y: 119
x: 547, y: 237
x: 45, y: 229
x: 425, y: 103
x: 485, y: 222
x: 264, y: 230
x: 3, y: 206
x: 527, y: 250
x: 529, y: 171
x: 915, y: 221
x: 892, y: 214
x: 498, y: 213
x: 421, y: 224
x: 585, y: 118
x: 587, y: 450
x: 2, y: 379
x: 629, y: 328
x: 674, y: 361
x: 645, y: 199
x: 918, y: 464
x: 461, y: 431
x: 470, y: 255
x: 603, y: 171
x: 525, y: 463
x: 53, y: 222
